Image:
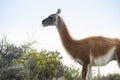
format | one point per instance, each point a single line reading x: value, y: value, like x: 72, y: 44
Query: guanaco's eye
x: 51, y: 17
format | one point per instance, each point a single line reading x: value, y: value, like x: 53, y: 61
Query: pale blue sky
x: 83, y: 17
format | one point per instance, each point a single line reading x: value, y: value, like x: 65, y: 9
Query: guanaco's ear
x: 59, y: 11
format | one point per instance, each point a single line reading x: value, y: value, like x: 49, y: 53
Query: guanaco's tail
x: 117, y: 54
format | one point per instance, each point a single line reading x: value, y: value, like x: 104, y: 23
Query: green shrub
x: 108, y: 77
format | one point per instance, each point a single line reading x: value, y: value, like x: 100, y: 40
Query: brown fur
x: 96, y: 46
x: 118, y: 53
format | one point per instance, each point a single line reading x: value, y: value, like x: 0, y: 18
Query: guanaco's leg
x: 84, y: 71
x: 89, y: 73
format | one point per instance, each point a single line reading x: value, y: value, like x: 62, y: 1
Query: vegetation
x: 108, y: 77
x: 26, y: 63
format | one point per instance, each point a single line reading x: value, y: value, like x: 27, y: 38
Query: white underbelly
x: 103, y: 60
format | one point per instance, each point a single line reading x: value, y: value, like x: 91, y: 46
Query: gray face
x: 51, y: 20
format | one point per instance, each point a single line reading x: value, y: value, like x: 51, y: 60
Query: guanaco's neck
x: 64, y: 34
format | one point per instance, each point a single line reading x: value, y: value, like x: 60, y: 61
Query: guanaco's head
x: 51, y: 20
